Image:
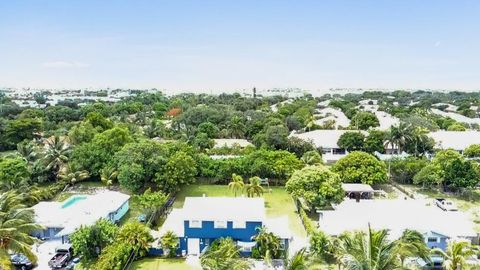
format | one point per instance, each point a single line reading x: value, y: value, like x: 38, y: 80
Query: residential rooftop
x: 224, y: 208
x: 457, y: 140
x: 396, y: 216
x: 78, y: 210
x: 324, y: 138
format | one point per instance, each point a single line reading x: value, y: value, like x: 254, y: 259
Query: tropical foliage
x: 16, y: 226
x: 223, y: 254
x: 317, y: 185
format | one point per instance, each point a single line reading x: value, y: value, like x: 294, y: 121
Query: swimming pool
x: 72, y: 201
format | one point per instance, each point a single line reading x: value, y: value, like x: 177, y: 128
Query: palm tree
x: 398, y: 136
x: 236, y: 184
x: 57, y: 151
x: 311, y: 158
x: 412, y: 244
x: 71, y: 177
x: 254, y: 188
x: 108, y: 175
x: 456, y: 254
x: 169, y: 243
x: 27, y: 151
x: 268, y: 244
x: 223, y: 254
x: 154, y: 129
x: 309, y: 122
x: 298, y: 261
x: 16, y: 225
x: 367, y: 251
x: 236, y: 127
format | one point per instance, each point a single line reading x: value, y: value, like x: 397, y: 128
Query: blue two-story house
x: 205, y: 219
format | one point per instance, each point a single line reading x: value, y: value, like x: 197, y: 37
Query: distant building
x: 61, y: 219
x: 326, y: 140
x: 456, y: 140
x: 230, y: 143
x: 202, y: 220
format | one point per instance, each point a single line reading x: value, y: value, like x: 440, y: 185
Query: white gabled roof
x: 174, y: 223
x: 457, y: 117
x: 457, y: 140
x: 224, y: 209
x: 279, y: 227
x: 396, y: 216
x: 340, y: 118
x: 231, y: 142
x: 324, y: 138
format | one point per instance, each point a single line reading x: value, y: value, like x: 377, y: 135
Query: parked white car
x: 446, y: 205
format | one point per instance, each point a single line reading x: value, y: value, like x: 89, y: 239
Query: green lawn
x: 277, y: 202
x: 158, y: 263
x: 133, y: 211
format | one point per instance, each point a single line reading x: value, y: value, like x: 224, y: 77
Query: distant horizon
x: 317, y: 92
x: 213, y: 45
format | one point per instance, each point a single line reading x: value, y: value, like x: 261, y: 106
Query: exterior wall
x: 117, y: 215
x: 208, y: 231
x: 441, y: 240
x: 47, y: 233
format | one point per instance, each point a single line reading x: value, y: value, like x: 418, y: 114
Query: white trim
x: 195, y: 223
x: 238, y: 224
x: 220, y: 224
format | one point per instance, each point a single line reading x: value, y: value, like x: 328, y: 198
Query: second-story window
x: 237, y: 224
x: 195, y: 224
x: 220, y: 224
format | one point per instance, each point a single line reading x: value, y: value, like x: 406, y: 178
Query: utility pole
x: 254, y: 92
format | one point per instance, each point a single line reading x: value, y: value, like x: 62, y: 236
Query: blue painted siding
x: 117, y: 215
x: 209, y: 231
x: 440, y: 240
x: 47, y: 233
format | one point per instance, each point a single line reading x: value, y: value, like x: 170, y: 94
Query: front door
x: 193, y: 246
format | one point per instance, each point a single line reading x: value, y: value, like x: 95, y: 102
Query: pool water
x: 72, y: 201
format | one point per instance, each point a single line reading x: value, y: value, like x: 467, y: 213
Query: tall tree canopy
x: 361, y: 167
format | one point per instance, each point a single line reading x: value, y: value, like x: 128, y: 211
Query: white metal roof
x: 457, y: 117
x: 231, y: 142
x: 174, y: 223
x: 83, y: 212
x: 224, y: 209
x: 457, y: 140
x: 396, y: 216
x: 279, y: 227
x: 357, y: 188
x: 324, y: 138
x: 340, y: 118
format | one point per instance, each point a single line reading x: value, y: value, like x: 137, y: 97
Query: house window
x: 432, y: 240
x: 218, y: 224
x: 246, y: 249
x: 239, y: 224
x: 282, y: 244
x: 195, y: 224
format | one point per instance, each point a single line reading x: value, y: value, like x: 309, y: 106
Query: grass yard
x: 277, y: 202
x: 133, y: 211
x: 158, y: 263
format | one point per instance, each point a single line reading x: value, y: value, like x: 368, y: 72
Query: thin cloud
x: 437, y: 44
x: 65, y: 64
